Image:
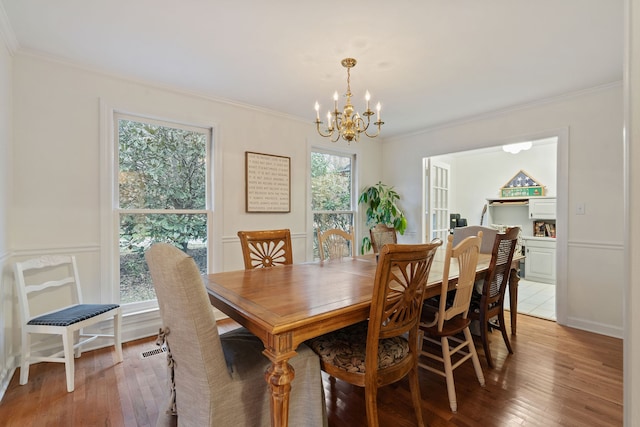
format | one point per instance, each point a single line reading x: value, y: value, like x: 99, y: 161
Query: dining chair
x: 488, y: 236
x: 335, y: 243
x: 50, y: 298
x: 381, y: 235
x: 384, y: 349
x: 447, y: 338
x: 487, y: 303
x: 220, y: 379
x: 266, y: 248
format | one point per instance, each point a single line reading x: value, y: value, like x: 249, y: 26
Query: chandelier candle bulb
x: 378, y: 110
x: 317, y: 107
x: 335, y: 100
x: 367, y: 96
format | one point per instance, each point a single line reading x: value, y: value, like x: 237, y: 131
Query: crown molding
x: 507, y: 110
x: 6, y: 32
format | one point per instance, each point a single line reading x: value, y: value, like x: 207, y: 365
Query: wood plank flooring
x: 558, y: 376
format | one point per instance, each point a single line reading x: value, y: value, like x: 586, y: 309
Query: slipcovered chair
x: 447, y: 338
x: 266, y: 248
x: 487, y: 303
x: 385, y: 348
x: 337, y: 243
x: 219, y: 379
x: 488, y: 236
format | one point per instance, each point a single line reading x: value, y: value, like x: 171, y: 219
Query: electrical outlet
x: 580, y: 208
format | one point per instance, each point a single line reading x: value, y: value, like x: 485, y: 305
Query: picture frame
x: 267, y: 183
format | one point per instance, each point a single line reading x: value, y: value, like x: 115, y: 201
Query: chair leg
x: 503, y: 329
x: 474, y: 356
x: 117, y: 338
x: 67, y: 342
x: 371, y: 399
x: 76, y: 339
x: 448, y: 370
x: 414, y: 385
x: 484, y: 334
x: 26, y: 356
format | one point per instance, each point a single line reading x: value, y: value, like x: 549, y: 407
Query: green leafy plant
x: 381, y: 209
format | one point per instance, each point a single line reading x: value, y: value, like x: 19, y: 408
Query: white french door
x: 436, y: 190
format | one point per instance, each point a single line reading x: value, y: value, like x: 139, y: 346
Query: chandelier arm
x: 326, y: 135
x: 337, y: 135
x: 379, y: 124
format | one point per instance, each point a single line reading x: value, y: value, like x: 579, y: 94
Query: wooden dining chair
x: 447, y: 339
x: 487, y: 304
x: 266, y: 248
x: 335, y: 243
x: 381, y: 235
x: 42, y: 283
x: 219, y: 380
x: 384, y: 349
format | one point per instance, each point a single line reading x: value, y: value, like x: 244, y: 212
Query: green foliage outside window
x: 161, y: 170
x: 331, y: 188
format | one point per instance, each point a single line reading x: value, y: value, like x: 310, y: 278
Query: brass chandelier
x: 348, y: 124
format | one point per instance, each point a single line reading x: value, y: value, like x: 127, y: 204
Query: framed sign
x: 267, y: 180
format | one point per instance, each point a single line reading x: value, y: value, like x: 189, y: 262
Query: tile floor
x: 536, y: 299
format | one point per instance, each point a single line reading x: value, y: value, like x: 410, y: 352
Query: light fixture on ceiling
x: 348, y: 124
x: 517, y: 147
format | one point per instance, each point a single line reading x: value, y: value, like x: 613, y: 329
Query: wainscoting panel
x: 595, y: 288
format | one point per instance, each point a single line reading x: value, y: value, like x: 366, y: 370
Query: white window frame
x: 354, y: 194
x: 109, y: 215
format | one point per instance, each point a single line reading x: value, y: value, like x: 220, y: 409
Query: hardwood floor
x: 557, y: 377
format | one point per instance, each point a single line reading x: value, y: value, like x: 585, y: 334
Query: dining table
x: 287, y: 305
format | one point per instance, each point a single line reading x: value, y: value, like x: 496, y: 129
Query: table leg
x: 279, y: 377
x: 514, y: 279
x: 279, y: 349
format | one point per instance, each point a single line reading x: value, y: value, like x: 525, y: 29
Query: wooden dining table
x: 287, y: 305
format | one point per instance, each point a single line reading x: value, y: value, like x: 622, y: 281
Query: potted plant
x: 381, y: 209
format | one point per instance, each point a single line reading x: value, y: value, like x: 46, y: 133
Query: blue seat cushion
x: 346, y: 348
x: 71, y: 315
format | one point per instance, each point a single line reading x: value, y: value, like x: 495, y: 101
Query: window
x: 332, y: 197
x: 162, y: 196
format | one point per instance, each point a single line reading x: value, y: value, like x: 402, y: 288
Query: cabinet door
x: 540, y: 263
x: 542, y: 209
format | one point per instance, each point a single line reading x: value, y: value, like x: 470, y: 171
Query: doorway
x: 478, y: 175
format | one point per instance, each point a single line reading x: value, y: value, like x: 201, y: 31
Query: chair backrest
x: 488, y: 236
x: 191, y: 333
x: 398, y: 294
x: 381, y: 235
x: 266, y: 248
x: 335, y: 243
x: 40, y: 277
x: 497, y: 277
x: 466, y: 254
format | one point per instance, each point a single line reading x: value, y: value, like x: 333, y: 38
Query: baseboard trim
x: 595, y: 327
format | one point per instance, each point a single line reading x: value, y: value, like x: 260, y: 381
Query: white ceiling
x: 428, y: 61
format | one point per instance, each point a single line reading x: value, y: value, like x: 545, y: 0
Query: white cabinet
x: 540, y: 260
x: 543, y: 208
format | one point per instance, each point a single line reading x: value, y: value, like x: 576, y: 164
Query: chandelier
x: 348, y: 124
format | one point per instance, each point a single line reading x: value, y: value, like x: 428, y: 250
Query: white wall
x: 590, y: 166
x: 6, y: 284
